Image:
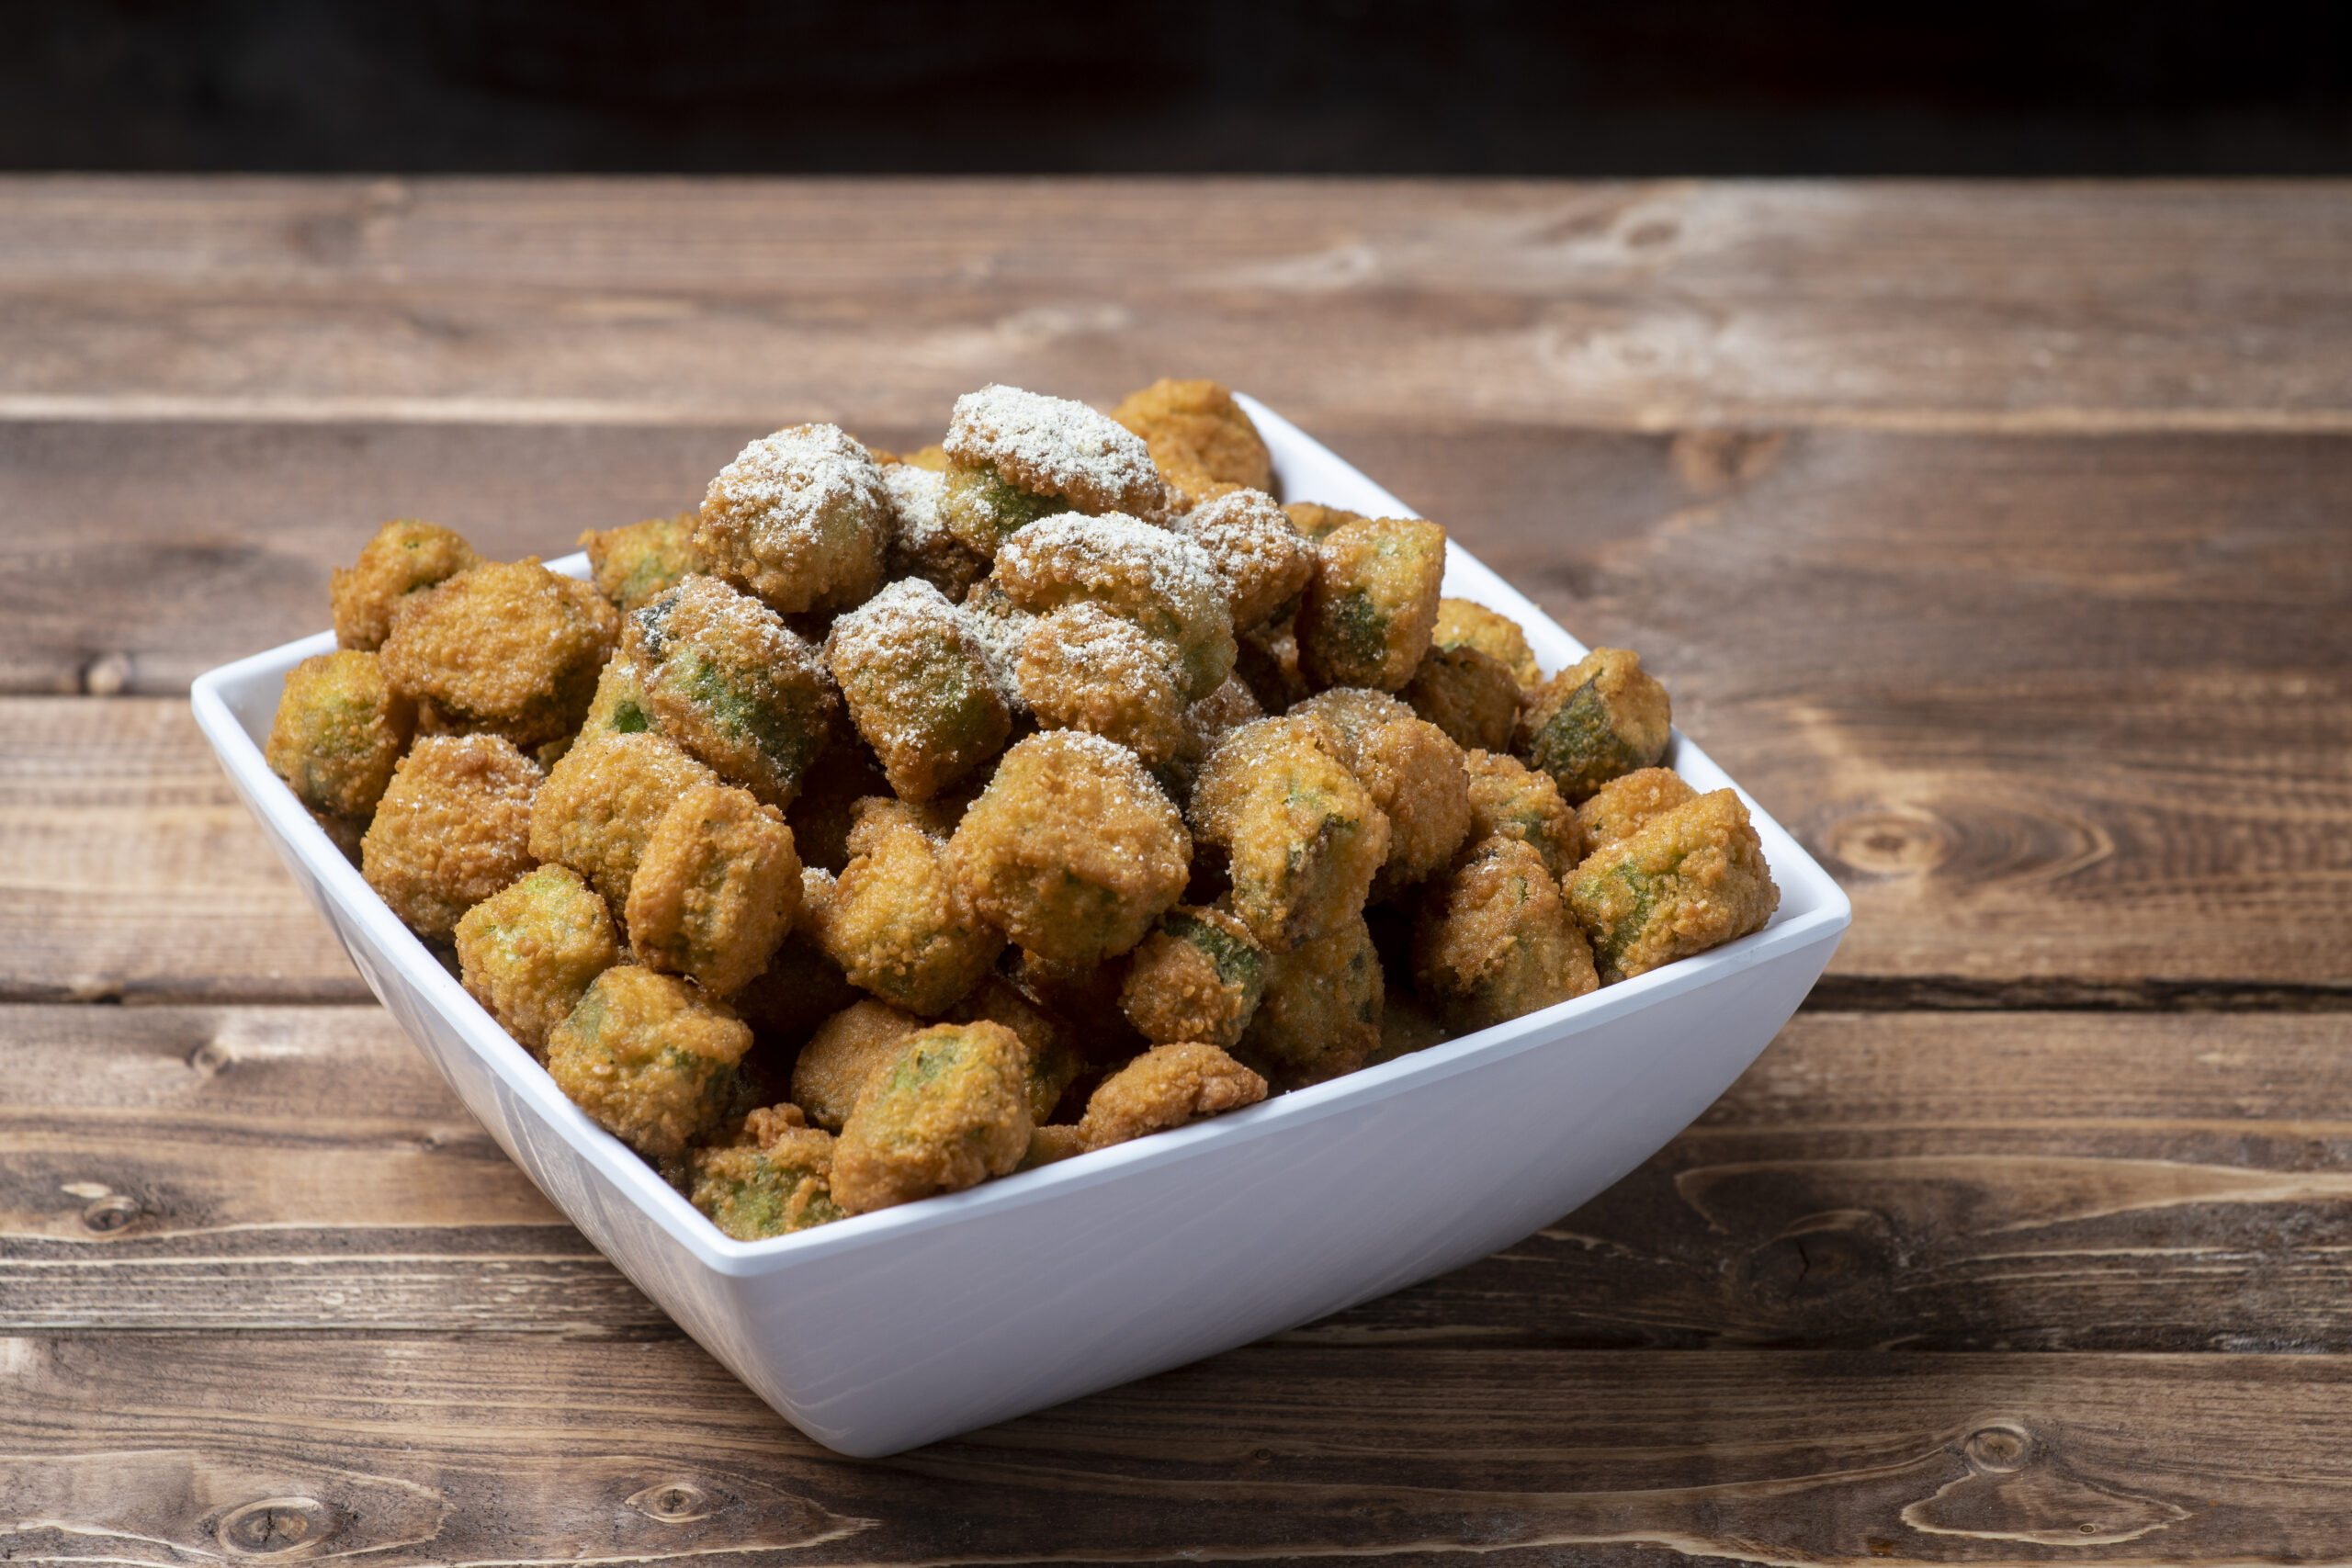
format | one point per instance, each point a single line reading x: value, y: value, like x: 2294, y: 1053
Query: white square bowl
x: 877, y: 1332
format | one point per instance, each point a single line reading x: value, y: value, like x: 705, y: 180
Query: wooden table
x: 1998, y: 537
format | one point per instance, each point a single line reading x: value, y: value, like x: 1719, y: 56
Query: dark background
x: 1371, y: 86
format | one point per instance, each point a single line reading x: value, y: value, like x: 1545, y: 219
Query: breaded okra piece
x: 1510, y: 800
x: 1688, y: 879
x: 339, y: 732
x: 529, y: 952
x: 846, y: 1053
x: 1260, y: 558
x: 1165, y: 1087
x: 602, y: 802
x: 1083, y: 667
x: 1464, y: 623
x: 1054, y: 1059
x: 1320, y: 1015
x: 716, y: 889
x: 1470, y: 695
x: 951, y: 1111
x: 1368, y: 609
x: 1600, y: 718
x: 631, y: 565
x: 1200, y: 439
x: 918, y: 688
x: 405, y: 558
x: 921, y: 544
x: 1493, y: 940
x: 800, y: 520
x: 1619, y: 808
x: 1302, y: 838
x: 507, y: 648
x: 731, y: 683
x: 901, y: 923
x: 1199, y: 978
x: 1413, y: 773
x: 1015, y: 457
x: 773, y: 1179
x: 453, y: 827
x: 650, y: 1057
x: 1162, y: 581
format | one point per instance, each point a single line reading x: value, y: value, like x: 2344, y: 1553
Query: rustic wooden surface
x: 1996, y: 538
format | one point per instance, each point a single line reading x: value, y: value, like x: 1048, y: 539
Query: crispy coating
x: 1493, y: 940
x: 1162, y: 581
x: 1688, y: 879
x: 800, y: 519
x: 406, y: 557
x: 1051, y: 1146
x: 619, y: 704
x: 1083, y: 667
x: 845, y: 772
x: 1260, y: 558
x: 1014, y: 456
x: 1165, y: 1087
x: 1320, y: 1015
x: 918, y: 687
x: 1199, y: 438
x: 649, y: 1058
x: 1510, y: 800
x: 981, y: 511
x: 602, y: 802
x: 1598, y: 719
x: 1054, y: 1059
x: 1470, y: 695
x: 901, y: 925
x: 1314, y: 519
x: 339, y: 732
x: 631, y: 565
x: 715, y: 890
x: 1206, y: 722
x: 848, y: 1050
x: 1266, y: 661
x: 1366, y: 615
x: 506, y: 649
x: 950, y: 1111
x: 1462, y: 623
x: 931, y: 458
x: 731, y: 683
x: 774, y: 1179
x: 802, y: 986
x: 1199, y: 978
x: 1619, y: 808
x: 452, y: 829
x: 530, y: 950
x: 922, y: 545
x: 999, y: 627
x: 1073, y: 850
x: 1302, y: 838
x: 1413, y: 773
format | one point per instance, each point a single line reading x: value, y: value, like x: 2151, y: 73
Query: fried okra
x: 405, y: 558
x: 1259, y: 557
x: 1619, y: 808
x: 1199, y: 976
x: 1084, y: 994
x: 1015, y: 457
x: 1302, y: 838
x: 529, y: 952
x: 1472, y: 695
x: 802, y: 986
x: 453, y: 827
x: 1073, y: 850
x: 1314, y: 519
x: 630, y: 565
x: 1000, y: 628
x: 1266, y: 661
x: 1493, y: 940
x: 619, y: 704
x: 921, y: 544
x: 1054, y: 1060
x: 901, y: 923
x: 848, y: 1050
x: 1083, y: 667
x: 1051, y: 1146
x: 1688, y: 879
x: 773, y: 1179
x: 1166, y: 1086
x: 601, y: 803
x: 1462, y: 623
x: 1510, y: 800
x: 1598, y: 719
x: 1160, y: 582
x: 1199, y: 438
x: 339, y: 732
x: 731, y: 683
x: 1206, y: 722
x: 506, y: 649
x: 950, y: 1111
x: 1320, y: 1015
x: 715, y: 890
x: 918, y: 688
x: 800, y: 519
x: 1366, y: 615
x: 649, y: 1057
x: 1413, y: 773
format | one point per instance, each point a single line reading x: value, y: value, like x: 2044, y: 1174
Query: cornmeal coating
x: 506, y: 649
x: 1054, y: 1059
x: 1598, y: 719
x: 901, y: 925
x: 1266, y: 661
x: 1510, y: 800
x: 1073, y: 850
x: 951, y: 1111
x: 453, y: 827
x: 406, y: 557
x: 631, y: 565
x: 1494, y: 939
x: 922, y: 545
x: 1314, y: 519
x: 1159, y: 580
x: 649, y: 1058
x: 1083, y: 667
x: 731, y: 683
x: 1199, y: 978
x: 339, y: 732
x: 1051, y: 1146
x: 1199, y: 438
x: 1165, y: 1087
x: 1206, y: 722
x: 1000, y: 628
x: 775, y: 1179
x: 802, y: 986
x: 1320, y: 1015
x: 529, y: 952
x: 846, y: 1053
x: 845, y: 772
x: 1015, y: 457
x: 800, y: 519
x: 1302, y: 837
x: 1690, y: 878
x: 1470, y: 695
x: 1368, y: 609
x: 1260, y: 558
x: 1413, y: 773
x: 1462, y: 623
x: 619, y: 704
x: 715, y: 890
x: 1619, y: 808
x: 918, y: 687
x: 602, y: 802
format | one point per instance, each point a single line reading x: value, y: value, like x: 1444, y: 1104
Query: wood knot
x: 1712, y: 462
x: 110, y: 1214
x: 108, y: 675
x: 1890, y: 842
x: 1996, y: 1450
x: 209, y: 1058
x: 672, y: 1502
x: 275, y: 1526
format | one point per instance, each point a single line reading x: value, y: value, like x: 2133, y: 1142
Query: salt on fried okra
x: 339, y: 730
x: 1083, y: 667
x: 619, y: 704
x: 601, y: 803
x: 506, y: 648
x: 901, y: 923
x: 1688, y: 879
x: 1054, y: 1059
x: 950, y: 1111
x: 1200, y: 439
x: 1166, y: 1086
x: 1510, y: 800
x: 1314, y: 520
x: 452, y: 829
x: 1301, y: 836
x: 405, y: 557
x: 1600, y: 718
x: 1366, y: 617
x: 1619, y: 808
x: 1199, y: 976
x: 800, y: 520
x: 773, y: 1179
x: 529, y: 952
x: 715, y: 890
x: 918, y: 687
x: 631, y: 565
x: 649, y: 1058
x: 1470, y: 695
x: 998, y: 628
x: 1162, y: 581
x: 1261, y: 560
x: 921, y: 544
x: 1494, y: 939
x: 1413, y: 773
x: 731, y: 683
x: 1073, y: 850
x: 846, y: 1053
x: 1320, y: 1017
x: 1464, y: 623
x: 1016, y: 457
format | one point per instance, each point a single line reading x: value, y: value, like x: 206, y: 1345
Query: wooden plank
x: 137, y: 1449
x: 1649, y: 306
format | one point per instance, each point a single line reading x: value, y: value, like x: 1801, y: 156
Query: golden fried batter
x: 715, y: 890
x: 1688, y: 879
x: 1165, y: 1087
x: 1493, y: 940
x: 732, y: 684
x: 1054, y: 1060
x: 631, y: 565
x: 453, y: 829
x: 1260, y: 558
x: 1197, y: 977
x: 649, y: 1057
x: 1411, y: 770
x: 1051, y: 1146
x: 1619, y: 808
x: 1162, y: 581
x: 1200, y: 439
x: 802, y: 986
x: 918, y: 687
x: 1369, y: 607
x: 900, y: 923
x: 1302, y: 838
x: 529, y: 952
x: 1206, y: 722
x: 800, y: 519
x: 1472, y: 695
x: 1462, y: 623
x: 922, y: 545
x: 339, y: 732
x: 508, y: 649
x: 602, y: 802
x: 1320, y: 1015
x: 1015, y: 457
x: 1510, y: 800
x: 1314, y: 519
x: 846, y: 1053
x: 1266, y: 661
x: 1083, y: 667
x: 404, y: 557
x: 775, y: 1179
x: 949, y: 1112
x: 1598, y: 719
